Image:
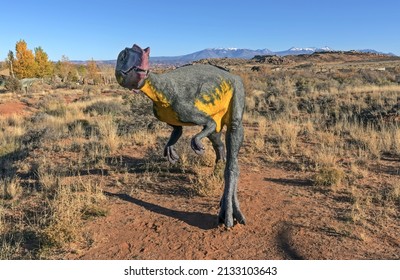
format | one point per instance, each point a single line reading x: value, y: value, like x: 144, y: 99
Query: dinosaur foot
x: 197, y: 147
x: 228, y: 218
x: 170, y: 153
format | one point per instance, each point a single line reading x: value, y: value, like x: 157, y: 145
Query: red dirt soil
x: 13, y: 108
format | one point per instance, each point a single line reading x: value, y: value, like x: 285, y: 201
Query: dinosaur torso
x: 162, y: 106
x: 177, y: 100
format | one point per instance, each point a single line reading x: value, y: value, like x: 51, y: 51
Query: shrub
x: 106, y: 108
x: 302, y: 87
x: 53, y: 105
x: 328, y: 177
x: 12, y: 84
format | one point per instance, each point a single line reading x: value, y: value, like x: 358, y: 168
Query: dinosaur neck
x: 153, y: 88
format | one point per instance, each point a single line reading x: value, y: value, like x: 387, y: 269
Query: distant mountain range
x: 232, y: 53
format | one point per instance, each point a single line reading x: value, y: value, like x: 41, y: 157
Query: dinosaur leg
x: 169, y: 150
x: 218, y: 146
x: 230, y: 210
x: 208, y: 129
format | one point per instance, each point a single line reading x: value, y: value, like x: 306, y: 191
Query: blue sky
x: 100, y: 29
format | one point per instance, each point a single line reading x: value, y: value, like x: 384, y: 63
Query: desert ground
x: 82, y: 172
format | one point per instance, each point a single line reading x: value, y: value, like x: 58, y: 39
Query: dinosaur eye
x: 122, y: 55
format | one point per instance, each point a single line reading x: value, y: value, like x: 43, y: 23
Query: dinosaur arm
x: 169, y: 150
x: 208, y: 129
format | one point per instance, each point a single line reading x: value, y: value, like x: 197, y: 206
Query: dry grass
x: 285, y: 134
x: 206, y: 185
x: 12, y: 129
x: 108, y: 133
x: 10, y: 188
x: 144, y: 138
x: 394, y: 192
x: 328, y: 177
x: 59, y: 203
x: 69, y: 205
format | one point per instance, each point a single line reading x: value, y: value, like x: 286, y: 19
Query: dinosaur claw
x: 170, y: 153
x: 197, y: 147
x: 229, y: 216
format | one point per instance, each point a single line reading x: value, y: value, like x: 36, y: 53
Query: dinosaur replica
x: 202, y: 95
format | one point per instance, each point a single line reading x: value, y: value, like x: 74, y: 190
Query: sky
x: 99, y: 30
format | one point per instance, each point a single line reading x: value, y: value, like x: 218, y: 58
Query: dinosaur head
x: 132, y: 67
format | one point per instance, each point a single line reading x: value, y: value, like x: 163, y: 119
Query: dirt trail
x: 286, y: 220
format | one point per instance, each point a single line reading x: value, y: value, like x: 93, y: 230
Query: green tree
x: 44, y: 67
x: 24, y: 64
x: 82, y: 71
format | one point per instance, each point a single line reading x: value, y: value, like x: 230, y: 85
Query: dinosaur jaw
x: 132, y: 80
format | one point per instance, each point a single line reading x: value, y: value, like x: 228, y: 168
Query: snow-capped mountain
x: 326, y: 49
x: 297, y: 51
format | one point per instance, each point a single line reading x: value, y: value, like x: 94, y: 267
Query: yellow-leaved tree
x: 44, y: 67
x: 24, y: 64
x: 93, y: 71
x: 64, y: 69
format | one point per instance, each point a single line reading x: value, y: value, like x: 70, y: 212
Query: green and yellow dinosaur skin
x: 163, y: 109
x: 201, y: 95
x: 215, y: 104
